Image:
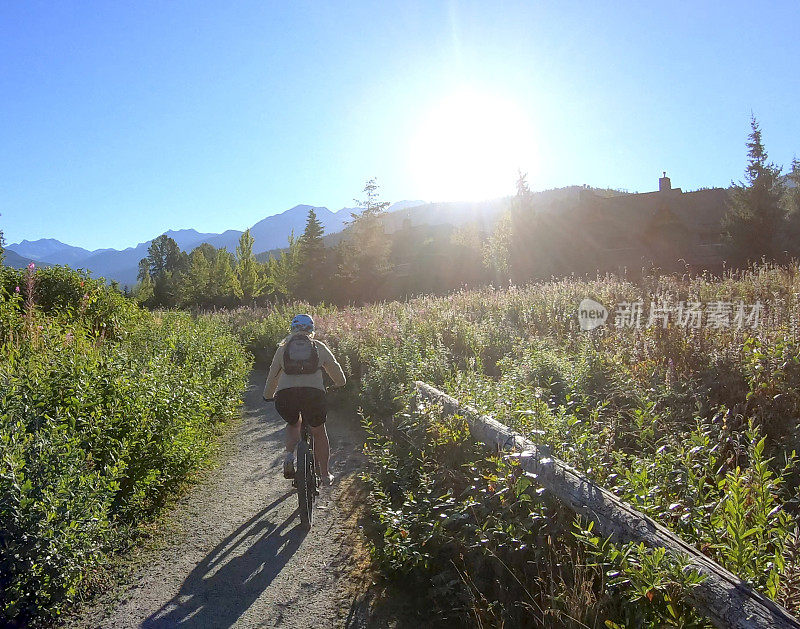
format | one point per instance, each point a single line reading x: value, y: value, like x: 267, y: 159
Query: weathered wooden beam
x: 723, y: 597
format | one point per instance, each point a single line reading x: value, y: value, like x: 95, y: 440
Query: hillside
x: 50, y: 249
x: 271, y: 233
x: 16, y: 261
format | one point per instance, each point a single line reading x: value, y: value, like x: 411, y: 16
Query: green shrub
x: 71, y: 296
x: 103, y: 410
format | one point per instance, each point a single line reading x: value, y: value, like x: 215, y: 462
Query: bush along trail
x: 105, y: 410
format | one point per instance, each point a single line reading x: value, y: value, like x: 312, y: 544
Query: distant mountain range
x: 270, y: 234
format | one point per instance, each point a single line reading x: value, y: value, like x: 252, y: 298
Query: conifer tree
x: 164, y: 256
x: 314, y: 274
x: 194, y: 290
x: 143, y: 291
x: 496, y: 249
x: 164, y: 264
x: 364, y: 258
x: 791, y: 207
x: 524, y: 250
x: 311, y: 241
x: 753, y: 224
x: 224, y: 286
x: 247, y: 272
x: 371, y: 205
x: 283, y: 271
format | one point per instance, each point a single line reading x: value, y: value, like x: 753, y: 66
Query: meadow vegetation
x: 695, y: 426
x: 106, y: 408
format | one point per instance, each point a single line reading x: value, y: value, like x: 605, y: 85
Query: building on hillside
x: 667, y: 229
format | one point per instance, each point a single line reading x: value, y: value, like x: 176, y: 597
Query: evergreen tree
x: 311, y: 241
x: 209, y: 252
x: 224, y: 287
x: 144, y: 270
x: 525, y: 255
x: 371, y: 205
x: 164, y: 256
x: 315, y: 274
x: 467, y: 243
x: 143, y: 291
x: 164, y: 263
x: 753, y: 224
x: 247, y: 271
x: 194, y: 291
x: 496, y: 250
x: 793, y: 188
x: 364, y: 258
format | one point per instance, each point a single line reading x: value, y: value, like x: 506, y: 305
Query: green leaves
x: 655, y: 581
x: 96, y: 430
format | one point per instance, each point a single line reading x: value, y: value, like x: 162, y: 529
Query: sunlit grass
x: 694, y: 426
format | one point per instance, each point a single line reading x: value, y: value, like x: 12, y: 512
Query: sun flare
x: 470, y: 146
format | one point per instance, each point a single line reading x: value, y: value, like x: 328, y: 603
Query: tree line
x: 761, y: 222
x: 368, y: 264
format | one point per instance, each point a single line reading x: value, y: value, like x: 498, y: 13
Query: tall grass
x: 696, y: 426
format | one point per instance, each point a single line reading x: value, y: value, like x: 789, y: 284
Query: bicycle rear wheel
x: 306, y: 484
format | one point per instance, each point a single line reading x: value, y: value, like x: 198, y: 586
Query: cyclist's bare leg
x: 322, y: 449
x: 292, y: 436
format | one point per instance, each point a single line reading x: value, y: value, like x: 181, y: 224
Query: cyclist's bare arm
x: 274, y: 374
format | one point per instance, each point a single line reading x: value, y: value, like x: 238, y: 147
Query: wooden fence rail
x: 722, y: 596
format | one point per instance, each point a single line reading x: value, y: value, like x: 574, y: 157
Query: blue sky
x: 120, y: 120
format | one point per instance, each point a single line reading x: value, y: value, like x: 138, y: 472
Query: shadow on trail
x: 232, y: 576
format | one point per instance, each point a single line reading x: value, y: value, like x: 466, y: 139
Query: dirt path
x: 236, y: 555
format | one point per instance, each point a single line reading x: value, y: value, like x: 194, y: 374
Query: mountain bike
x: 306, y: 478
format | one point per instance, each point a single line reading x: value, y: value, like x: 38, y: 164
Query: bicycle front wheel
x: 306, y: 484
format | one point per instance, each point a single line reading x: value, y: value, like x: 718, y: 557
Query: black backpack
x: 300, y: 356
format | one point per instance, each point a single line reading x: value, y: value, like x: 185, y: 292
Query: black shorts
x: 308, y: 401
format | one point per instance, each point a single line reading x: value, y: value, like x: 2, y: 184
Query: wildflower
x: 16, y: 290
x: 31, y: 266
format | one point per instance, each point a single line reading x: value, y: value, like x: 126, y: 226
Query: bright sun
x: 470, y: 147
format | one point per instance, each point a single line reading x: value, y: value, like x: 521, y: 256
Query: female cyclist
x: 295, y: 382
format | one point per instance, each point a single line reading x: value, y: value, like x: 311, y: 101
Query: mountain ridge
x: 269, y: 233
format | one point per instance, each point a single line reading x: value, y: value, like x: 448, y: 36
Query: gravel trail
x: 235, y: 555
